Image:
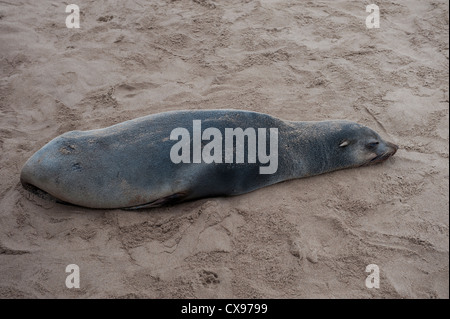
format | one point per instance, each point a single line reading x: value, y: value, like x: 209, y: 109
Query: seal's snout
x: 393, y: 147
x: 35, y: 177
x: 41, y: 170
x: 32, y: 173
x: 383, y: 152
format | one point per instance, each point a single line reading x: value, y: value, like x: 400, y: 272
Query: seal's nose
x: 393, y: 147
x: 41, y: 169
x: 34, y: 171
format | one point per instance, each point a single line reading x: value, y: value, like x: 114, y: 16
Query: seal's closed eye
x: 372, y: 145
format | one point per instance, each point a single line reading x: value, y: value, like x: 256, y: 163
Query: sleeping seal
x: 176, y: 156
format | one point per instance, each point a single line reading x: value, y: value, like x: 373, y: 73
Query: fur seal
x: 128, y: 165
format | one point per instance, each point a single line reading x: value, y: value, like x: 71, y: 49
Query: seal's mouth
x: 41, y: 193
x: 391, y: 150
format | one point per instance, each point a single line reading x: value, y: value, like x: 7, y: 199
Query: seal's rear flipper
x: 168, y: 200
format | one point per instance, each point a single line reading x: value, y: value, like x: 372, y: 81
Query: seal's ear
x: 344, y: 143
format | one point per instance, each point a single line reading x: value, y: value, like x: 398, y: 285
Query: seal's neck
x: 310, y: 148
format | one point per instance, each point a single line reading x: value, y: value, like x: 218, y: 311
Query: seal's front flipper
x: 168, y: 200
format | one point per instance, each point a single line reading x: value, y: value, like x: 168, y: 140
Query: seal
x: 129, y: 165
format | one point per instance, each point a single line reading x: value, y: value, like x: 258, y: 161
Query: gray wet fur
x: 128, y: 164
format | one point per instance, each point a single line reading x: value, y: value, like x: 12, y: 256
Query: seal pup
x: 128, y: 165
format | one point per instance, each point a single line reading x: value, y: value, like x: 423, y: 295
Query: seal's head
x: 354, y: 145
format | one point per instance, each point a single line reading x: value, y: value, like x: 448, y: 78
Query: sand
x: 296, y: 60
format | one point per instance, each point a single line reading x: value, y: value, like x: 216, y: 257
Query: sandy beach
x: 295, y: 60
